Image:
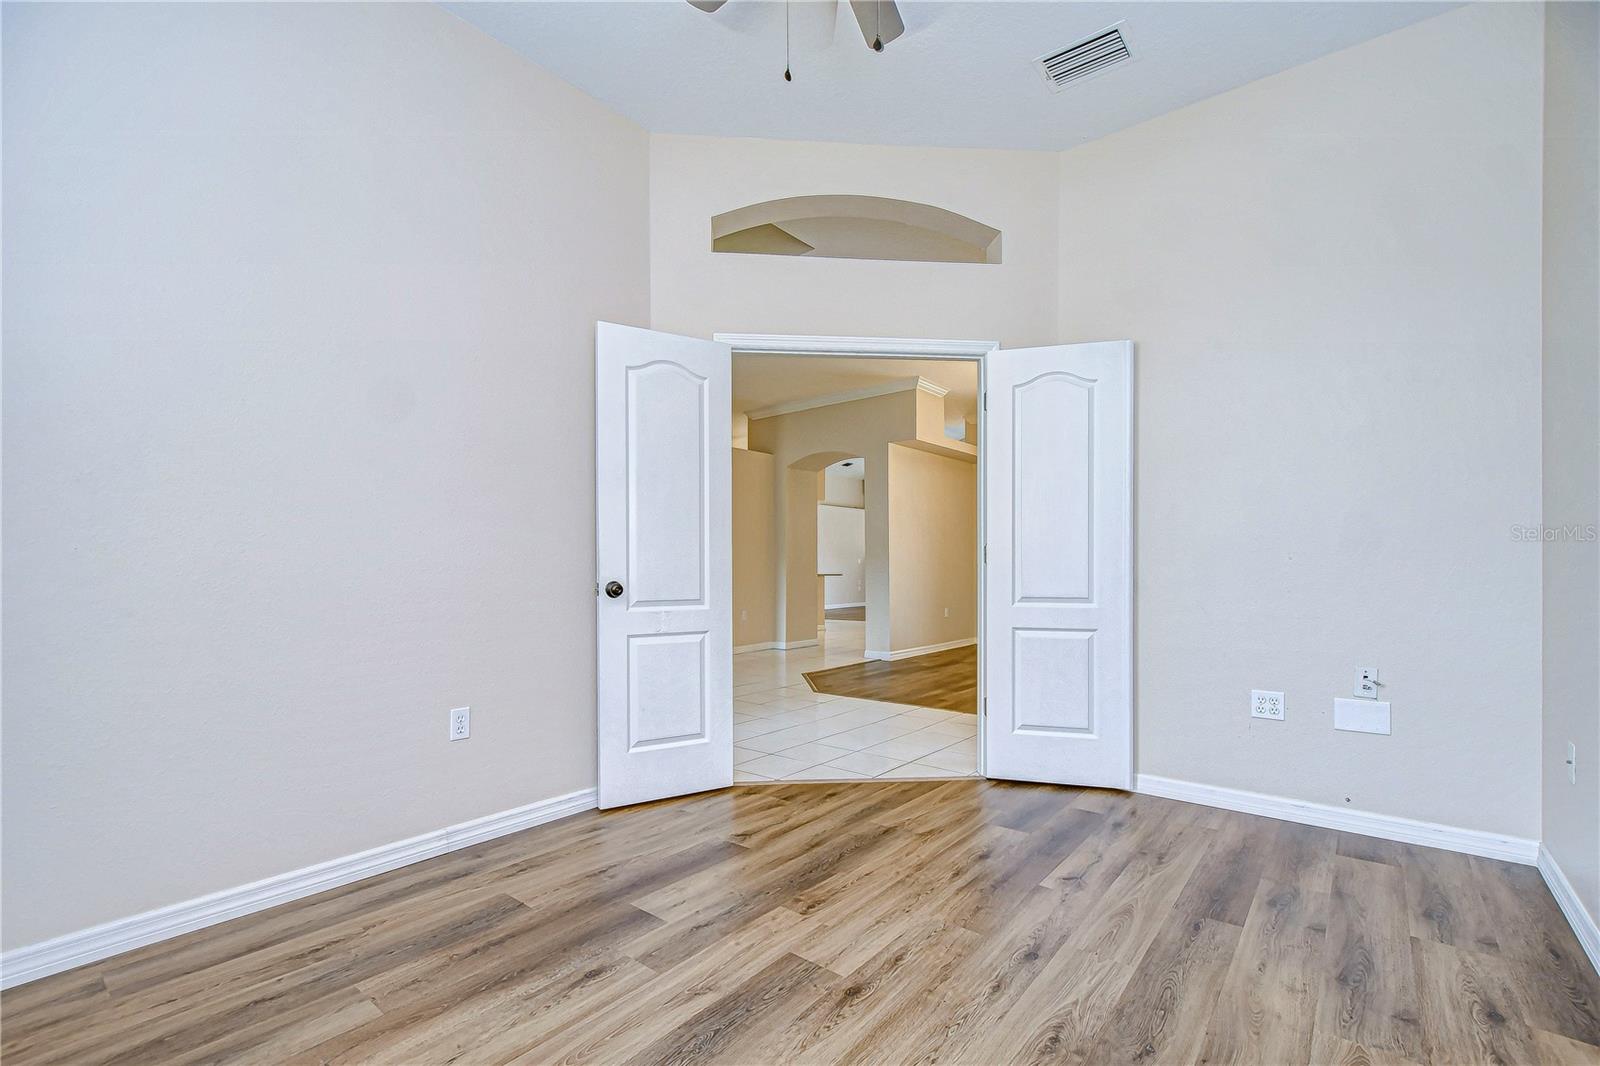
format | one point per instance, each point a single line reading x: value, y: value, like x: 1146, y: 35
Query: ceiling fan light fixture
x: 879, y: 20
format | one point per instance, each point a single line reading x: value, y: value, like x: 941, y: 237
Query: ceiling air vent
x: 1084, y: 59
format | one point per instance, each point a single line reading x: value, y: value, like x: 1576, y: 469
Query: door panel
x: 1053, y: 460
x: 663, y: 477
x: 1058, y: 614
x: 667, y: 539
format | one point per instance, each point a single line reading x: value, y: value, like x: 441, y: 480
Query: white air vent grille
x: 1084, y: 59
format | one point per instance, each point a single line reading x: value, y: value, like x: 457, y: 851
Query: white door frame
x: 900, y: 348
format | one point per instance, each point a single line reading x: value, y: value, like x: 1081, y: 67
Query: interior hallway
x: 783, y: 730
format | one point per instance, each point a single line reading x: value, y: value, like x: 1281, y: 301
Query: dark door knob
x: 613, y: 589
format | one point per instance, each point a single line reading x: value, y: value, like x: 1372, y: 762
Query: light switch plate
x: 1361, y: 716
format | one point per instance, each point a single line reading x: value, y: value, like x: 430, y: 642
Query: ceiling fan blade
x: 879, y: 19
x: 708, y: 6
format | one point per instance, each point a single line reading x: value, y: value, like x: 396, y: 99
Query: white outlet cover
x: 1361, y: 716
x: 1262, y: 705
x: 460, y: 723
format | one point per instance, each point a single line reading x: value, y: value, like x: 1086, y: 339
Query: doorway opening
x: 1052, y: 473
x: 856, y: 566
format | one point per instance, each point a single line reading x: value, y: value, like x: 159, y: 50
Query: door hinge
x: 986, y: 401
x: 986, y: 555
x: 597, y: 588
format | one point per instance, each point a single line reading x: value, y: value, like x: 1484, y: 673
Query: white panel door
x: 1058, y: 587
x: 663, y: 625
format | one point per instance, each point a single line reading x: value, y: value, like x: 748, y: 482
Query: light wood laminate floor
x: 957, y: 921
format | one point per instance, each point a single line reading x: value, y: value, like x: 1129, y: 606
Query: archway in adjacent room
x: 855, y: 227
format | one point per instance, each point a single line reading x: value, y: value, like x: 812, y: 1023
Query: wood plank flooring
x: 846, y: 614
x: 951, y: 922
x: 946, y: 679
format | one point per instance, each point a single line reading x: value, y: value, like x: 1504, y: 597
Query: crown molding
x: 909, y: 384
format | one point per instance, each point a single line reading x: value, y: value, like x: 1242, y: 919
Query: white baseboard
x: 926, y: 649
x: 1366, y: 823
x: 1584, y: 925
x: 765, y: 645
x: 112, y: 938
x: 791, y: 645
x: 836, y: 606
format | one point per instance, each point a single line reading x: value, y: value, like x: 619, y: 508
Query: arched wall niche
x: 855, y: 227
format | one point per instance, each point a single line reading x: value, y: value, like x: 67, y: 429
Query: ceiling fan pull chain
x: 786, y: 75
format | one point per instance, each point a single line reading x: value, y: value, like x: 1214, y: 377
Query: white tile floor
x: 782, y: 731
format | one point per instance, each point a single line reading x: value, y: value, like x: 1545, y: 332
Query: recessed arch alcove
x: 855, y: 227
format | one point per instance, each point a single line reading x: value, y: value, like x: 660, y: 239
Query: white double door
x: 1056, y: 671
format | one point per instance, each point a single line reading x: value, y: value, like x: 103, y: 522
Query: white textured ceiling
x: 962, y: 76
x: 768, y: 380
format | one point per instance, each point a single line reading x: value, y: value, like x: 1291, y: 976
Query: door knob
x: 613, y: 589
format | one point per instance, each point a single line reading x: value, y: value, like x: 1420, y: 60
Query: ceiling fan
x: 879, y: 20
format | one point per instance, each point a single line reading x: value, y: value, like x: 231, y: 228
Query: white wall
x: 1572, y: 443
x: 842, y: 553
x: 1332, y: 276
x: 842, y: 488
x: 299, y: 308
x: 698, y: 292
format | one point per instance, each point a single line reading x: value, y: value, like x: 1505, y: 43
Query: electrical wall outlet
x: 947, y: 612
x: 1266, y: 705
x: 1367, y: 683
x: 461, y: 723
x: 1572, y: 763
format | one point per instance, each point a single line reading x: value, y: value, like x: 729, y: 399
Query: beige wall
x: 933, y: 549
x: 284, y: 360
x: 815, y: 439
x: 755, y: 550
x: 1572, y: 442
x: 1332, y: 276
x: 698, y: 292
x: 823, y: 435
x: 297, y: 348
x: 797, y: 523
x: 842, y: 547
